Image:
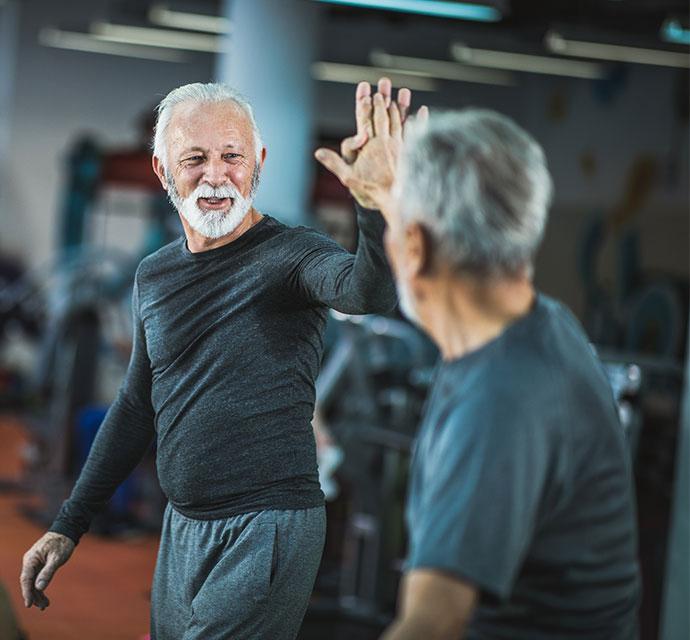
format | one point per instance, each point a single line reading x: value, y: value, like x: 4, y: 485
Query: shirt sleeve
x: 351, y: 283
x: 121, y: 442
x: 481, y: 483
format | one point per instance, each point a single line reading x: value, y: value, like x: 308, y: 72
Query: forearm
x: 372, y: 271
x: 122, y: 440
x: 356, y: 284
x: 381, y: 201
x: 433, y: 606
x: 414, y: 627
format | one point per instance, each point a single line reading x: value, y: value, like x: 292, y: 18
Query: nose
x: 215, y: 172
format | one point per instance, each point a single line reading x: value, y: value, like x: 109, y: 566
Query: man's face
x: 211, y: 172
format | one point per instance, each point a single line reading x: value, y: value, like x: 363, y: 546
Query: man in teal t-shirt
x: 520, y: 511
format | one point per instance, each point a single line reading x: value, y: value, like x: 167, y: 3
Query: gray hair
x: 200, y: 93
x: 480, y: 185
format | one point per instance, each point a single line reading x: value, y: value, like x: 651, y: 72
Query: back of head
x: 479, y: 184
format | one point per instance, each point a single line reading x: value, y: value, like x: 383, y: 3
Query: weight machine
x: 81, y: 302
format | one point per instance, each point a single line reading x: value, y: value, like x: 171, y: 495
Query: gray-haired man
x: 228, y: 324
x: 520, y: 507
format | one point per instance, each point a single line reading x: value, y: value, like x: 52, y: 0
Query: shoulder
x: 159, y: 259
x: 304, y: 236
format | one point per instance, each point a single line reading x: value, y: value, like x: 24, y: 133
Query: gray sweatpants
x: 240, y: 578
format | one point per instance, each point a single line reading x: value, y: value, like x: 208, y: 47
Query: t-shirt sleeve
x: 480, y: 489
x: 121, y: 442
x: 351, y: 283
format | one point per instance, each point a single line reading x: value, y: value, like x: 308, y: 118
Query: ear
x: 159, y: 171
x: 263, y: 158
x: 417, y: 250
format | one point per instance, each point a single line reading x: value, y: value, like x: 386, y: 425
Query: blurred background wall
x: 595, y: 133
x: 79, y: 207
x: 58, y: 95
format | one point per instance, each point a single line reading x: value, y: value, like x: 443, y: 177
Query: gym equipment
x: 82, y: 299
x: 626, y: 381
x: 371, y: 390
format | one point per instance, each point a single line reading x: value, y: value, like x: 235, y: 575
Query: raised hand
x: 40, y: 564
x: 368, y: 160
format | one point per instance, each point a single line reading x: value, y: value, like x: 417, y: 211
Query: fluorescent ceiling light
x: 442, y: 69
x: 556, y: 43
x: 672, y: 31
x: 161, y: 15
x: 151, y: 37
x: 76, y: 41
x: 524, y: 62
x: 439, y: 8
x: 354, y: 73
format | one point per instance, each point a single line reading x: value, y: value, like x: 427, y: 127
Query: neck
x: 198, y: 243
x: 462, y: 315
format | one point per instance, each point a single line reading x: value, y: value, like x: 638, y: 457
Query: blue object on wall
x: 439, y: 8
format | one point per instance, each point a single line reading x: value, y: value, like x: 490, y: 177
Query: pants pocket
x: 265, y: 552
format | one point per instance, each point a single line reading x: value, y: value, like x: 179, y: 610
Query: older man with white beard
x: 228, y: 324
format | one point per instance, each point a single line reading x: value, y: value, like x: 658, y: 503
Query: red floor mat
x: 103, y: 592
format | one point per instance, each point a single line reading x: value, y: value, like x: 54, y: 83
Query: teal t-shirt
x: 521, y: 485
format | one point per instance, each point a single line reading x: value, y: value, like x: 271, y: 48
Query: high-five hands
x: 368, y: 160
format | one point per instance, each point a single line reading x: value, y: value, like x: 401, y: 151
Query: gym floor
x: 109, y: 599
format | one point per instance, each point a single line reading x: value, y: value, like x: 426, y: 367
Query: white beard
x: 213, y: 223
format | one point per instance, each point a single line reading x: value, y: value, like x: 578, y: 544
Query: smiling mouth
x: 215, y: 203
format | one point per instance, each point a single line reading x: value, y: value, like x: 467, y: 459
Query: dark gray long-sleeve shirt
x: 227, y: 345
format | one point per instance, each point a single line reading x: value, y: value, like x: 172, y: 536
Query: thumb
x: 47, y: 573
x: 350, y: 146
x: 334, y: 163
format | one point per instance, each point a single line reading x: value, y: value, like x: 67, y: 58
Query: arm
x: 121, y: 442
x: 365, y: 284
x: 476, y: 485
x: 359, y: 283
x: 434, y: 606
x: 329, y: 275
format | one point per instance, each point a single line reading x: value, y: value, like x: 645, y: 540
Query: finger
x: 404, y: 102
x: 46, y: 574
x: 363, y: 109
x: 334, y: 163
x: 385, y: 88
x: 30, y: 567
x: 381, y: 120
x: 363, y: 90
x: 350, y: 146
x: 41, y: 600
x: 395, y: 121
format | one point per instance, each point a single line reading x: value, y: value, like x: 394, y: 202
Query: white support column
x: 271, y: 48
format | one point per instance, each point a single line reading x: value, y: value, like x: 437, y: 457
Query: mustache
x: 223, y: 191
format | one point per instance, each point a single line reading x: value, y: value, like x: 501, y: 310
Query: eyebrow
x: 230, y: 145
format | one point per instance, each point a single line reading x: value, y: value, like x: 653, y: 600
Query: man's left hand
x: 368, y: 160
